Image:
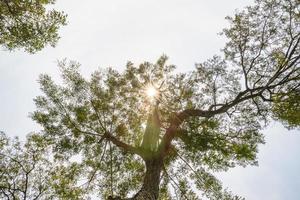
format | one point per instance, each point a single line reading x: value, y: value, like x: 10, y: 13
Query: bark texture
x: 150, y: 188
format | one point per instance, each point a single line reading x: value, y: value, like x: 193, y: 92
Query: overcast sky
x: 109, y: 33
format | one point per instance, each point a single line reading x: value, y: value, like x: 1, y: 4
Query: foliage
x: 207, y: 120
x: 287, y: 109
x: 29, y: 24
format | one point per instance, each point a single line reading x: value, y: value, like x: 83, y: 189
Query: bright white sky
x: 109, y: 33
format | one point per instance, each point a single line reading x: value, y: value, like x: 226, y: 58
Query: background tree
x: 155, y: 133
x: 27, y: 172
x: 23, y: 169
x: 29, y: 24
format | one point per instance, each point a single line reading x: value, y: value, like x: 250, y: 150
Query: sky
x: 110, y: 33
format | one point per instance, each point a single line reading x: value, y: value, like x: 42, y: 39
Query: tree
x: 23, y: 169
x: 27, y: 172
x: 29, y: 24
x: 154, y: 133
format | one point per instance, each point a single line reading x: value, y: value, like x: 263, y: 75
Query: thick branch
x: 123, y: 145
x: 179, y: 118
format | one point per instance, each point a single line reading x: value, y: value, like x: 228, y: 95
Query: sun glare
x: 151, y: 91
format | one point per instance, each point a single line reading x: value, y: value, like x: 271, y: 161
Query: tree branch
x: 122, y: 145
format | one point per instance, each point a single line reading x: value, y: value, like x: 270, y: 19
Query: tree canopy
x: 29, y: 24
x: 150, y: 132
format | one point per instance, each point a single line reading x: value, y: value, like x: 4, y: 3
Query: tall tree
x: 29, y: 24
x: 157, y: 133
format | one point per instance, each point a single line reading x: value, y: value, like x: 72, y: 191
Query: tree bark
x: 150, y: 188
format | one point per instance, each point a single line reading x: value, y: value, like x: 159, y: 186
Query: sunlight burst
x: 151, y: 91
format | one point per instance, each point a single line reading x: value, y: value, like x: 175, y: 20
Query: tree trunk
x: 150, y: 188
